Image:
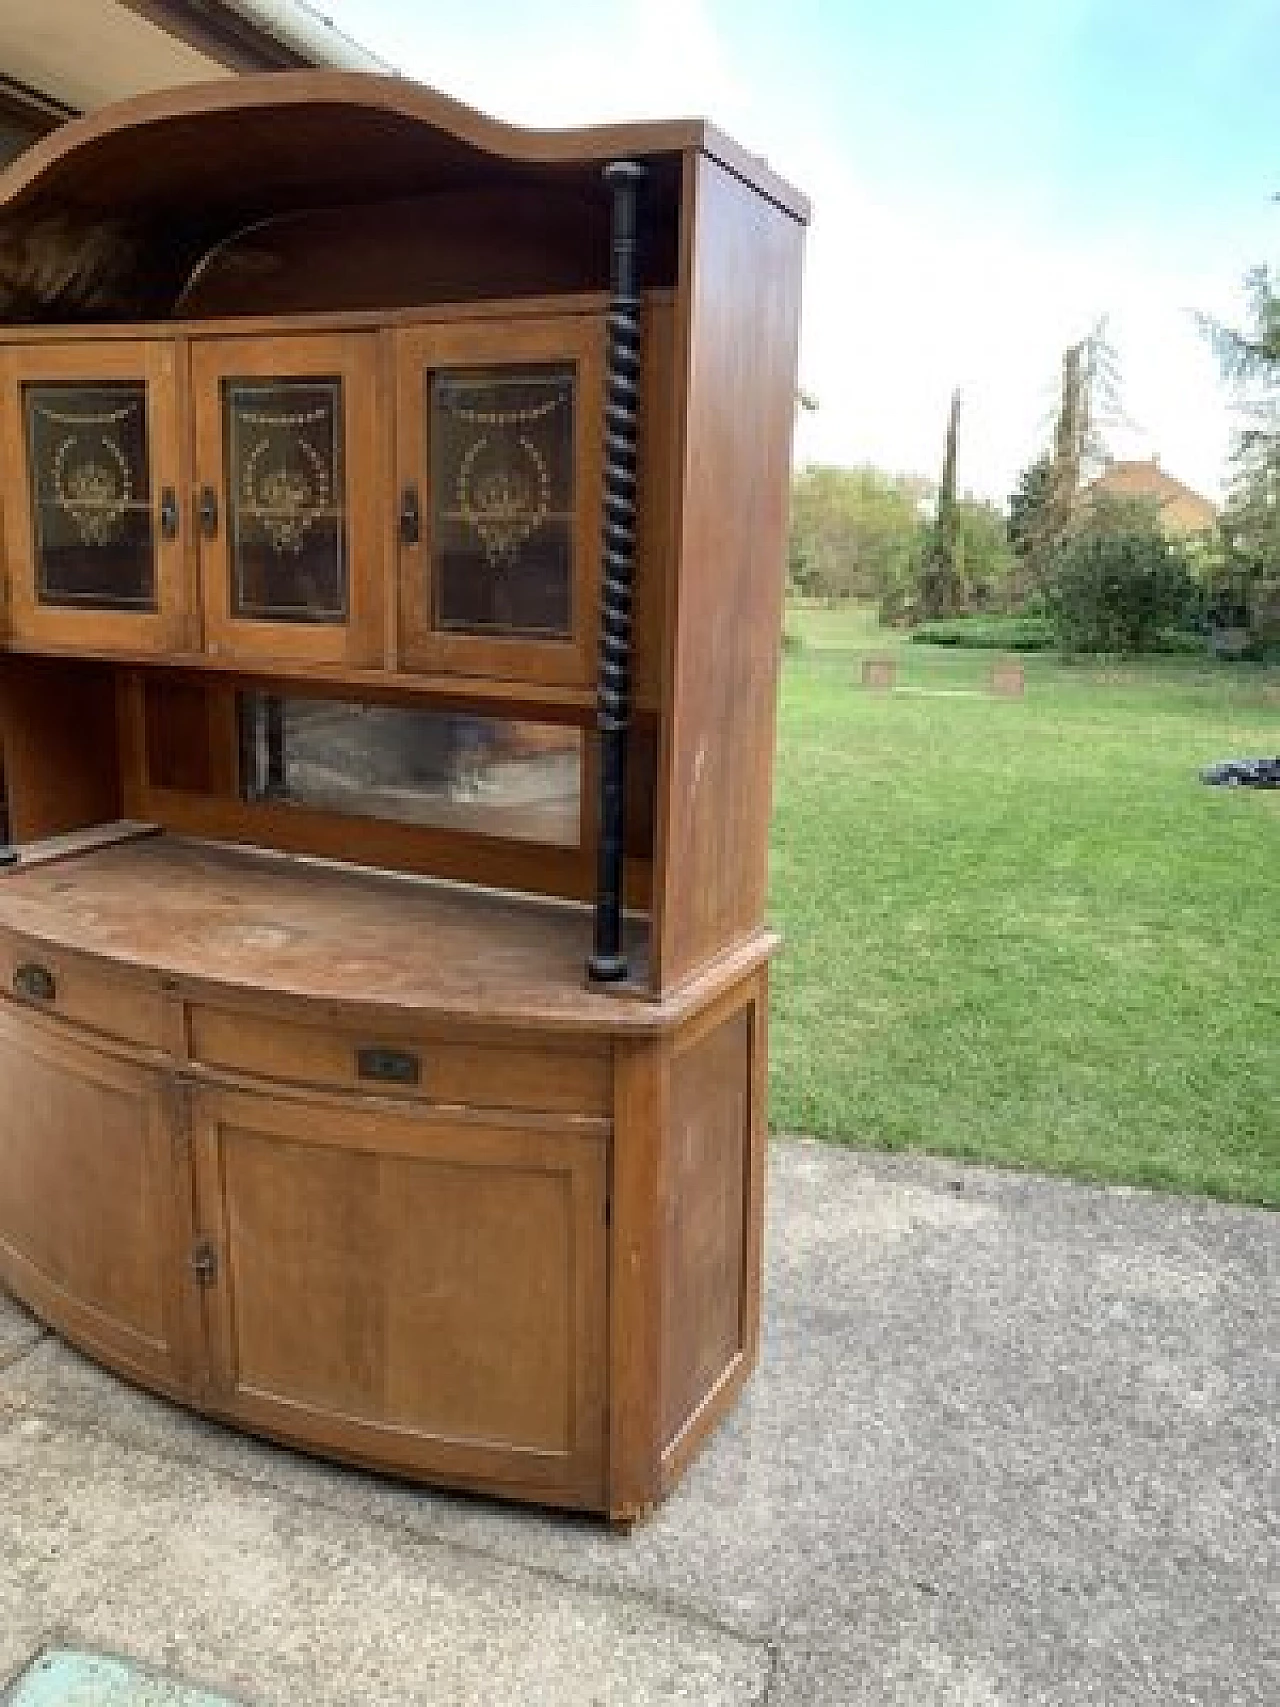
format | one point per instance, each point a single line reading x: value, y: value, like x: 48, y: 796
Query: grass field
x: 1022, y: 930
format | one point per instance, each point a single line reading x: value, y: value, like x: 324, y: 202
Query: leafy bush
x: 1116, y: 584
x: 990, y: 633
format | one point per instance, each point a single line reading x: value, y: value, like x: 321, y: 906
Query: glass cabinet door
x: 287, y: 497
x: 93, y: 482
x: 499, y: 431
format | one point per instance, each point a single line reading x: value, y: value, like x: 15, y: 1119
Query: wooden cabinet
x: 411, y: 1290
x: 93, y: 470
x: 499, y: 466
x: 393, y: 505
x: 290, y: 496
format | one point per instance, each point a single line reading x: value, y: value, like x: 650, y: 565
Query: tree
x: 1250, y: 530
x: 1047, y: 497
x: 984, y: 559
x: 1116, y: 582
x: 942, y: 571
x: 854, y: 533
x: 1032, y: 527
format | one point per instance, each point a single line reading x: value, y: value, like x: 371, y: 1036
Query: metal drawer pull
x: 34, y: 981
x: 389, y: 1066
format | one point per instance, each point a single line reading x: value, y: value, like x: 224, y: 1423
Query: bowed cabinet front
x: 418, y: 1288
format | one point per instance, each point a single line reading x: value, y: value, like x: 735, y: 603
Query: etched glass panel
x: 91, y: 494
x: 286, y: 522
x: 492, y: 776
x: 502, y: 499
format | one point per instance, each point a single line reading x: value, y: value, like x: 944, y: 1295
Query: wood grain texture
x: 351, y: 358
x: 407, y: 253
x: 153, y: 363
x: 84, y: 991
x: 724, y: 1039
x: 454, y: 1067
x: 716, y: 772
x: 576, y: 340
x: 433, y: 1300
x: 89, y: 1233
x: 705, y: 1199
x: 636, y: 1298
x: 376, y: 135
x: 255, y: 922
x: 58, y: 736
x: 369, y: 946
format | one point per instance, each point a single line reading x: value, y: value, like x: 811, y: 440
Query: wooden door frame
x: 571, y: 337
x: 156, y: 365
x: 352, y: 357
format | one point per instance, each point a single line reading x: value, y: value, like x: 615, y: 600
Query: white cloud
x: 902, y: 302
x: 900, y: 308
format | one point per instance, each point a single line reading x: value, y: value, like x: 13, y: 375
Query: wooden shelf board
x: 280, y: 926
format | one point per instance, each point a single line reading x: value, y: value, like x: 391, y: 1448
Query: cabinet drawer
x: 476, y: 1072
x: 57, y: 982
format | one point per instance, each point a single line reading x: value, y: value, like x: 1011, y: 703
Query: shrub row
x: 989, y: 633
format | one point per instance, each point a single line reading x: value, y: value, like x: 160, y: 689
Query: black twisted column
x: 608, y: 964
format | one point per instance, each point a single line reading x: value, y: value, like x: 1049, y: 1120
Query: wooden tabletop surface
x: 204, y: 913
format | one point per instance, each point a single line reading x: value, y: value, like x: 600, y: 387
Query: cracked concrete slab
x: 1013, y: 1440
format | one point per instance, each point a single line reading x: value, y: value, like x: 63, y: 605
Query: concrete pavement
x: 1013, y: 1442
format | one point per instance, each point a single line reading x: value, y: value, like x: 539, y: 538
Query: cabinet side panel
x: 743, y: 306
x: 61, y: 761
x: 705, y: 1234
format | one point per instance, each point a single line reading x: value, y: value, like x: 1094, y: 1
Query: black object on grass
x: 1243, y: 773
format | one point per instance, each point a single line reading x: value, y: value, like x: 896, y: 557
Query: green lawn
x: 1023, y: 930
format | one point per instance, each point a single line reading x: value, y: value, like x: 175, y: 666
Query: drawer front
x: 57, y: 982
x: 454, y: 1069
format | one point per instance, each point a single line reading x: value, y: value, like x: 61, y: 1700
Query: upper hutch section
x: 306, y: 383
x: 213, y: 199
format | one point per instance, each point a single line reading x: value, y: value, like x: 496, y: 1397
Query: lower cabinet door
x: 95, y: 1199
x: 421, y: 1294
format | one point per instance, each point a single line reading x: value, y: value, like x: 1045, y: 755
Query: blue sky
x: 988, y: 179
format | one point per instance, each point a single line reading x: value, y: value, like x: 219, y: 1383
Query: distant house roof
x: 1181, y: 509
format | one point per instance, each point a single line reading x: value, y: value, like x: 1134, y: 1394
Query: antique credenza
x: 393, y: 507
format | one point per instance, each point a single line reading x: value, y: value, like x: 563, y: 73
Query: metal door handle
x: 208, y: 512
x: 410, y: 516
x: 203, y: 1263
x: 168, y: 513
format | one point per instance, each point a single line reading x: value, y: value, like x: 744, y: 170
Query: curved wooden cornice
x: 235, y: 140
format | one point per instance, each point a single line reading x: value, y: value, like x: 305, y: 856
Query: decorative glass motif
x: 90, y: 494
x: 502, y: 444
x: 286, y: 520
x: 491, y: 776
